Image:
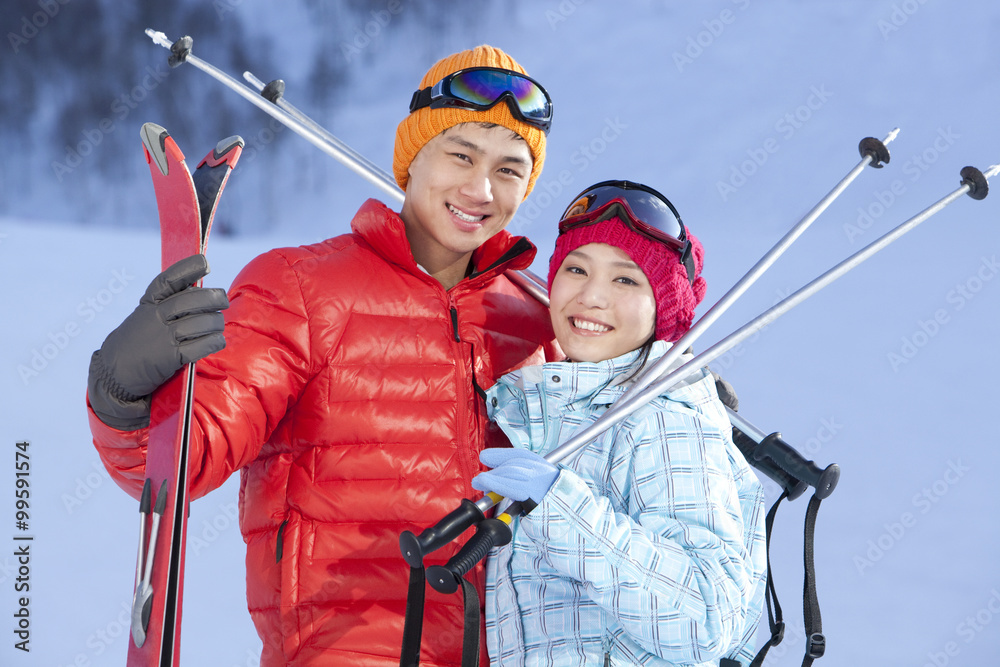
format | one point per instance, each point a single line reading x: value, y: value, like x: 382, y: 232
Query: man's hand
x: 175, y: 324
x: 726, y: 392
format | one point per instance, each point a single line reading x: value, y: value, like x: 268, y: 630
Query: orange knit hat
x: 424, y: 124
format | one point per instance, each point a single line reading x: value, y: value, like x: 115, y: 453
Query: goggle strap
x: 687, y: 259
x: 420, y: 99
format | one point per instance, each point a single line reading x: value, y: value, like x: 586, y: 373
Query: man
x: 349, y: 392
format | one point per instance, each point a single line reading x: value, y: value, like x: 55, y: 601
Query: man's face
x: 465, y: 186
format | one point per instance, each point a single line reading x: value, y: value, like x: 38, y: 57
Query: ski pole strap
x: 815, y: 640
x: 413, y: 622
x: 470, y: 638
x: 774, y: 616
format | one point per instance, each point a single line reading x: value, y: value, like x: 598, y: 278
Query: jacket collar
x: 579, y: 385
x: 385, y: 232
x: 535, y: 404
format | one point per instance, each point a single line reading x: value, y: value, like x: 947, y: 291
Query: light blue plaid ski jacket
x: 649, y: 547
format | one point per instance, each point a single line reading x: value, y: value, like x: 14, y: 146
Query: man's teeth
x: 465, y: 216
x: 590, y: 326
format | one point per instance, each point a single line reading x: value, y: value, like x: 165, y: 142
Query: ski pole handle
x: 793, y: 486
x: 489, y: 533
x: 455, y: 523
x: 780, y: 461
x: 783, y: 455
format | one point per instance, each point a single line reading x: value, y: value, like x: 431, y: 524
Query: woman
x: 648, y: 546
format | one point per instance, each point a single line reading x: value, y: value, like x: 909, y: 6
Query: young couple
x: 358, y: 385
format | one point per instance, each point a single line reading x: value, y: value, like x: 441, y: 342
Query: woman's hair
x: 640, y: 362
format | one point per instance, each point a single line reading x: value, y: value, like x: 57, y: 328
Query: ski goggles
x: 643, y: 210
x: 481, y: 88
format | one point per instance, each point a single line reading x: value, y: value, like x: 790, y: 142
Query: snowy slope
x: 745, y: 114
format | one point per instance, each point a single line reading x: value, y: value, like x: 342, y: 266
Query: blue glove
x: 517, y: 474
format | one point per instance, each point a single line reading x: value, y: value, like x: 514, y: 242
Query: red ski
x: 186, y: 206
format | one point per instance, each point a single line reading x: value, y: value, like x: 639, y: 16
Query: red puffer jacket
x: 350, y: 395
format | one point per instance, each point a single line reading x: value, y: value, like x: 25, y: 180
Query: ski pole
x: 298, y: 122
x: 769, y: 454
x: 274, y: 92
x: 802, y: 473
x: 181, y: 53
x: 442, y: 578
x: 143, y: 597
x: 974, y: 183
x: 144, y: 507
x: 781, y: 462
x: 873, y: 152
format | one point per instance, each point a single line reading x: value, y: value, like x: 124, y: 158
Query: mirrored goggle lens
x: 650, y: 211
x: 485, y: 87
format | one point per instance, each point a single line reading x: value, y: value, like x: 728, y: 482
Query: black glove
x: 175, y: 324
x: 726, y: 392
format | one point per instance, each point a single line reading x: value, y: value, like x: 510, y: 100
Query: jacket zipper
x: 454, y: 323
x: 475, y: 384
x: 279, y: 546
x: 464, y: 434
x: 521, y: 246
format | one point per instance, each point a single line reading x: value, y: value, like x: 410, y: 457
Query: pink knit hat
x: 676, y: 298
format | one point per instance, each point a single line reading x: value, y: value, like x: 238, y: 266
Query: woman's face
x: 601, y: 304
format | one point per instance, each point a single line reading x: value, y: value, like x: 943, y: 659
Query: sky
x: 745, y: 114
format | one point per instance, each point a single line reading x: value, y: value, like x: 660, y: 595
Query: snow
x: 745, y: 114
